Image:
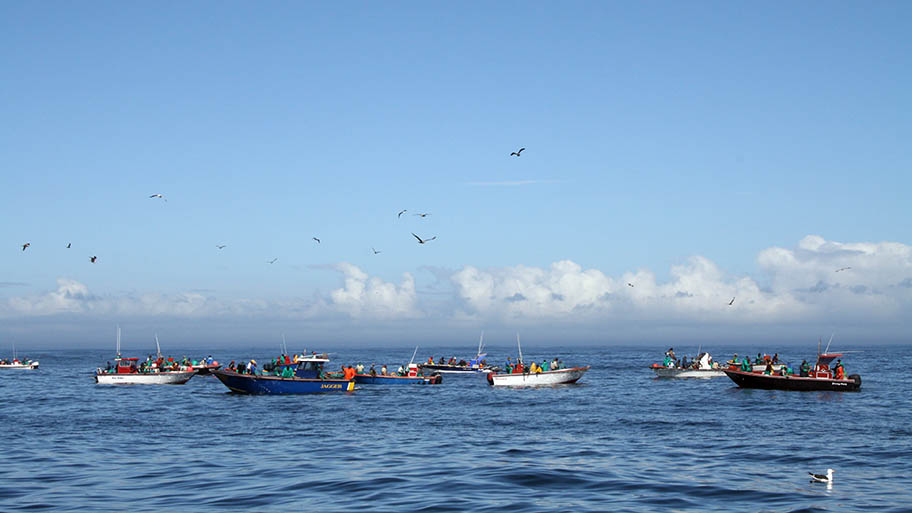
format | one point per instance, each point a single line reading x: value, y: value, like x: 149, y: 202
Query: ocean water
x: 620, y: 440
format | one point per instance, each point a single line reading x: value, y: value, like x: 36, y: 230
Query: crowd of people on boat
x: 456, y: 363
x: 282, y: 366
x: 772, y: 366
x: 518, y: 367
x: 15, y: 361
x: 672, y: 362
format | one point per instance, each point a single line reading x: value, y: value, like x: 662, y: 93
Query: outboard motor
x: 857, y: 379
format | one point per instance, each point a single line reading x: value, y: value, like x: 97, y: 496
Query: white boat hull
x: 556, y: 377
x: 21, y: 366
x: 155, y: 378
x: 670, y: 372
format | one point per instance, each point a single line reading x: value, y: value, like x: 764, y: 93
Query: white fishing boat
x: 524, y: 378
x: 703, y: 367
x: 126, y: 371
x: 16, y: 363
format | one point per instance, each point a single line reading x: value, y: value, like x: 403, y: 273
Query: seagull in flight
x: 822, y: 478
x: 27, y: 244
x: 69, y: 244
x: 375, y: 251
x: 423, y: 214
x: 316, y: 239
x: 93, y: 259
x: 422, y: 241
x: 629, y: 284
x: 401, y: 212
x: 516, y: 153
x: 843, y: 269
x: 272, y: 261
x: 159, y: 196
x: 731, y: 302
x: 221, y: 246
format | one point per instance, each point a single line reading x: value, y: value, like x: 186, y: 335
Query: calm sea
x: 620, y: 440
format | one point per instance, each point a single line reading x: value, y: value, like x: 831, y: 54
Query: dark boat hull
x: 367, y: 379
x: 248, y: 384
x: 773, y: 382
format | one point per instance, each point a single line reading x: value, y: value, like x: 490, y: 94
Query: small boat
x: 534, y: 379
x: 25, y: 364
x: 703, y: 367
x: 126, y: 371
x: 474, y: 366
x: 206, y: 366
x: 16, y: 363
x: 820, y: 377
x: 412, y: 378
x: 306, y: 379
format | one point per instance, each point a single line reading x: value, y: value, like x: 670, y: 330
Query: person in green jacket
x: 746, y: 364
x: 544, y: 366
x: 288, y: 372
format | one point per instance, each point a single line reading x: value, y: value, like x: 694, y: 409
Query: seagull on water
x: 272, y: 261
x: 316, y: 239
x: 822, y: 478
x: 422, y: 241
x: 516, y: 153
x: 159, y: 196
x: 221, y: 246
x: 731, y: 302
x: 93, y: 259
x: 401, y: 212
x: 843, y: 269
x: 27, y: 244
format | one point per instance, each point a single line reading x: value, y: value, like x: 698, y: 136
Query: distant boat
x: 473, y: 366
x: 126, y: 371
x: 820, y: 377
x: 411, y: 378
x: 15, y: 363
x: 305, y: 380
x: 701, y: 368
x: 535, y: 379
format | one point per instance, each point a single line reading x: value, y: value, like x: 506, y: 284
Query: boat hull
x: 155, y: 378
x: 20, y: 366
x: 261, y: 385
x: 204, y: 370
x: 670, y: 372
x: 555, y: 377
x: 773, y: 382
x: 367, y: 379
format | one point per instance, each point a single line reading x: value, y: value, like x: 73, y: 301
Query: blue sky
x: 655, y: 133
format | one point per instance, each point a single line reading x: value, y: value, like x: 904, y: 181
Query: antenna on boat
x: 158, y: 348
x: 413, y: 355
x: 284, y: 347
x: 519, y: 346
x: 827, y: 350
x: 480, y: 344
x: 118, y: 341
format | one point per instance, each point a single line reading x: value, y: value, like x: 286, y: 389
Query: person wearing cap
x: 839, y: 371
x: 251, y: 367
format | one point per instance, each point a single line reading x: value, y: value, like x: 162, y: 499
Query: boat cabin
x: 822, y: 369
x: 126, y: 365
x: 310, y: 367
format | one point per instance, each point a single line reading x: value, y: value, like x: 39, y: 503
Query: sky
x: 677, y: 155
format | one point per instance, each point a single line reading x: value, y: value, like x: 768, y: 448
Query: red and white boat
x: 820, y: 377
x: 16, y: 364
x: 126, y: 372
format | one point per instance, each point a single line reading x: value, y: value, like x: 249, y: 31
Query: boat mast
x: 158, y: 347
x: 519, y: 346
x: 480, y: 345
x: 413, y: 355
x: 284, y: 347
x: 827, y: 350
x: 118, y: 343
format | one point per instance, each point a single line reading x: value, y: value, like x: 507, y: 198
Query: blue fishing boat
x: 306, y: 379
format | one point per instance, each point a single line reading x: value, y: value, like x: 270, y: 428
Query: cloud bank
x: 815, y: 283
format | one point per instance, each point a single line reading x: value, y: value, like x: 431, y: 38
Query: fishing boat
x: 411, y: 378
x: 534, y: 379
x: 703, y: 367
x: 820, y: 377
x: 306, y: 379
x: 474, y: 366
x: 126, y: 371
x: 16, y: 363
x: 205, y: 366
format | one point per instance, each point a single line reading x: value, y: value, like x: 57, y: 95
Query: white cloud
x: 363, y: 296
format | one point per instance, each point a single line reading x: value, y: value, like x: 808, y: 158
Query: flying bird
x: 422, y: 241
x: 221, y: 246
x: 423, y: 214
x: 630, y: 284
x: 516, y: 153
x: 69, y: 244
x: 159, y: 196
x: 27, y: 244
x: 93, y: 259
x: 822, y: 478
x: 731, y: 302
x: 272, y: 261
x: 375, y: 251
x: 843, y: 269
x: 401, y: 212
x: 316, y: 239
